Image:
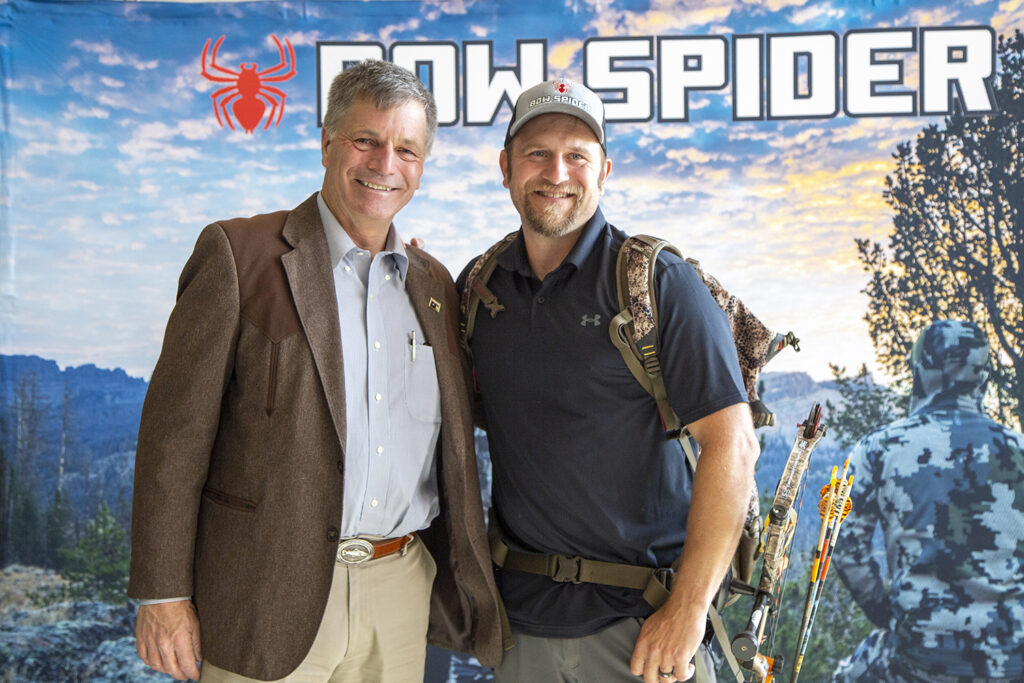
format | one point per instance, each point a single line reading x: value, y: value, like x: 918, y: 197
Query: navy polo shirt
x: 581, y: 463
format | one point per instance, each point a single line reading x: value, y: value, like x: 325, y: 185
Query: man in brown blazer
x: 306, y: 438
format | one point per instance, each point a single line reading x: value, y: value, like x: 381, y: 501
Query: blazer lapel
x: 311, y: 280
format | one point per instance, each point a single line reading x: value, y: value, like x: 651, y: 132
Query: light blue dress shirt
x: 392, y: 401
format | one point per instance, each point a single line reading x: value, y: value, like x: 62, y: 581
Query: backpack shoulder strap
x: 634, y: 331
x: 475, y: 290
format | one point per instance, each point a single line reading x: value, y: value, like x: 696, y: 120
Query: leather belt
x: 360, y: 550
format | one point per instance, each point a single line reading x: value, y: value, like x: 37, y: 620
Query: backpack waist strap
x: 655, y: 583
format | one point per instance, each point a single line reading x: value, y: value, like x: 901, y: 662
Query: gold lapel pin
x: 434, y: 304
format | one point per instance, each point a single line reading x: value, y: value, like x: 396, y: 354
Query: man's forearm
x: 721, y: 491
x: 862, y: 571
x: 671, y: 636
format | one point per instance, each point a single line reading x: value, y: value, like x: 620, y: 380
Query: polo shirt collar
x: 339, y: 244
x: 515, y: 258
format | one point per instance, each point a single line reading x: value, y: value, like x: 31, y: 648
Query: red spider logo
x: 562, y: 87
x: 248, y: 90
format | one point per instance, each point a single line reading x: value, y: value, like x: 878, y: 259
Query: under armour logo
x: 595, y: 320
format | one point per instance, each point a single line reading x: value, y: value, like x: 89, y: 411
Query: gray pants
x: 602, y: 657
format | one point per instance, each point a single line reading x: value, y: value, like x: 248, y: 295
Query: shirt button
x: 387, y: 277
x: 332, y: 534
x: 540, y: 299
x: 380, y: 449
x: 370, y: 297
x: 373, y: 503
x: 376, y: 344
x: 377, y: 397
x: 348, y: 269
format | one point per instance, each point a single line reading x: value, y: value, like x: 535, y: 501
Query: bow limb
x: 780, y: 524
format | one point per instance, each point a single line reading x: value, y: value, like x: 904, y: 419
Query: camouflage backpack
x: 634, y: 331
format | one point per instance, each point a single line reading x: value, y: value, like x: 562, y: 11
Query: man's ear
x: 607, y: 171
x: 503, y: 162
x: 325, y: 142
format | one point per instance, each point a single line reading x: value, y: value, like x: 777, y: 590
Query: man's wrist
x: 696, y: 594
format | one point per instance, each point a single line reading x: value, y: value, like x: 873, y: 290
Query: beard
x: 553, y: 221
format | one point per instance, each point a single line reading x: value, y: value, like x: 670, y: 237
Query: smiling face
x: 555, y: 170
x: 374, y: 162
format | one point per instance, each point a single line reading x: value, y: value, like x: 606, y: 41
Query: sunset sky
x: 113, y: 160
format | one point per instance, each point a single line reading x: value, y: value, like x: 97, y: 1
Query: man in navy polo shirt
x: 582, y: 466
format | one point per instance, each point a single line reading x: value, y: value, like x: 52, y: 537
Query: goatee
x: 551, y: 221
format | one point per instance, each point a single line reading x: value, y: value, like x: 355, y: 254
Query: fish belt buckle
x: 355, y: 551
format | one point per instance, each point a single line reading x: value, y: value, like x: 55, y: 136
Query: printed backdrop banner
x: 754, y: 134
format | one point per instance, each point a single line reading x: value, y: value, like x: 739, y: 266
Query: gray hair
x: 384, y: 84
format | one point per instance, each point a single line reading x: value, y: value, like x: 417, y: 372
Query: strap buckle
x: 355, y: 551
x: 666, y: 577
x: 566, y: 568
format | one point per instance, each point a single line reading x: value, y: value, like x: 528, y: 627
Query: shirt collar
x: 515, y: 258
x: 339, y: 244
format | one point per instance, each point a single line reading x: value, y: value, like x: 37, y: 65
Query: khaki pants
x: 374, y: 627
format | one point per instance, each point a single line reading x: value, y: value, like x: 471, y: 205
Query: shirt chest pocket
x: 422, y: 396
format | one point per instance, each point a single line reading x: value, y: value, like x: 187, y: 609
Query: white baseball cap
x: 559, y: 96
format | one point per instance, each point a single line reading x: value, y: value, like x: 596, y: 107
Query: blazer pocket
x: 228, y: 500
x: 275, y: 350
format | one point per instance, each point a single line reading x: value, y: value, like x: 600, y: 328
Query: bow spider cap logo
x: 248, y: 93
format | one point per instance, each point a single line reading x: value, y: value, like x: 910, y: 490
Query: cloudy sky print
x: 114, y: 160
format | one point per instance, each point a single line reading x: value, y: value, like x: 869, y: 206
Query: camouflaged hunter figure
x: 946, y: 486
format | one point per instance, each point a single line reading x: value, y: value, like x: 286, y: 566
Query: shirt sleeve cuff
x: 156, y: 601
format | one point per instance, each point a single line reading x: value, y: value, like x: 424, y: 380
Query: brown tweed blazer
x: 239, y: 467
